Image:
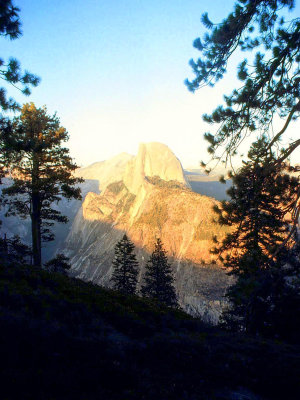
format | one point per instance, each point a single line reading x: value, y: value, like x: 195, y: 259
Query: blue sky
x: 114, y: 71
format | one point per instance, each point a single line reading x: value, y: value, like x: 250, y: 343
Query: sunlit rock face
x: 151, y: 200
x: 106, y: 172
x: 153, y: 159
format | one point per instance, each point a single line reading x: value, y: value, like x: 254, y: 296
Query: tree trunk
x: 36, y: 214
x: 36, y: 230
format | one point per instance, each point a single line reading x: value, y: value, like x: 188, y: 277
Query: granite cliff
x: 151, y: 199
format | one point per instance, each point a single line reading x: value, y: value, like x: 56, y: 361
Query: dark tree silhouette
x: 124, y: 277
x: 41, y: 169
x: 270, y: 83
x: 60, y: 263
x: 13, y: 251
x: 158, y: 280
x: 10, y: 71
x: 256, y: 250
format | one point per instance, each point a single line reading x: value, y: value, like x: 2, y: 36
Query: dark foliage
x: 60, y: 263
x: 124, y: 277
x: 158, y: 280
x: 270, y: 79
x: 41, y: 168
x: 61, y: 338
x: 13, y: 251
x: 261, y: 246
x: 10, y: 71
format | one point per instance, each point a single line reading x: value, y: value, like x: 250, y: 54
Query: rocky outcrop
x: 152, y: 200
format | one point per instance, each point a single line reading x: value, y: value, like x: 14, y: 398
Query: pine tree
x: 60, y: 263
x: 13, y: 251
x: 124, y: 277
x: 262, y: 196
x: 41, y: 169
x: 10, y: 27
x: 10, y: 71
x: 270, y: 79
x: 158, y: 280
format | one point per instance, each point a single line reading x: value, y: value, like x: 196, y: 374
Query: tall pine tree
x: 41, y: 169
x: 257, y: 249
x: 124, y: 277
x: 158, y: 280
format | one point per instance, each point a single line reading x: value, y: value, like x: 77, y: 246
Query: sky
x: 113, y: 70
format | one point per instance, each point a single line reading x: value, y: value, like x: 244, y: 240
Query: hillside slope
x: 64, y: 339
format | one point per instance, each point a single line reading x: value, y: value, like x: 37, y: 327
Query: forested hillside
x: 62, y: 338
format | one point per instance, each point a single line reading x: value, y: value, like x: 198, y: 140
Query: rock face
x: 153, y: 199
x: 106, y: 172
x: 153, y: 159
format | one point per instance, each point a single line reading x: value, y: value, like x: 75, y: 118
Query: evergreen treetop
x: 60, y: 263
x: 263, y: 196
x: 125, y: 267
x: 158, y: 279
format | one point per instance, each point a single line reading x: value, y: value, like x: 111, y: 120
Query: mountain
x: 105, y: 172
x: 153, y: 159
x: 209, y: 185
x: 147, y: 196
x: 97, y: 176
x: 213, y: 189
x: 153, y: 199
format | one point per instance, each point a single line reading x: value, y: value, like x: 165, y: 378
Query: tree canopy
x: 41, y: 168
x: 261, y: 251
x: 159, y: 280
x: 270, y: 81
x: 60, y: 263
x: 262, y: 197
x: 125, y: 265
x: 10, y: 71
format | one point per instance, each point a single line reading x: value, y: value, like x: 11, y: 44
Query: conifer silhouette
x: 261, y: 243
x: 124, y: 277
x: 158, y: 280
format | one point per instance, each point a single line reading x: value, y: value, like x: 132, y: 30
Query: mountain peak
x: 153, y: 159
